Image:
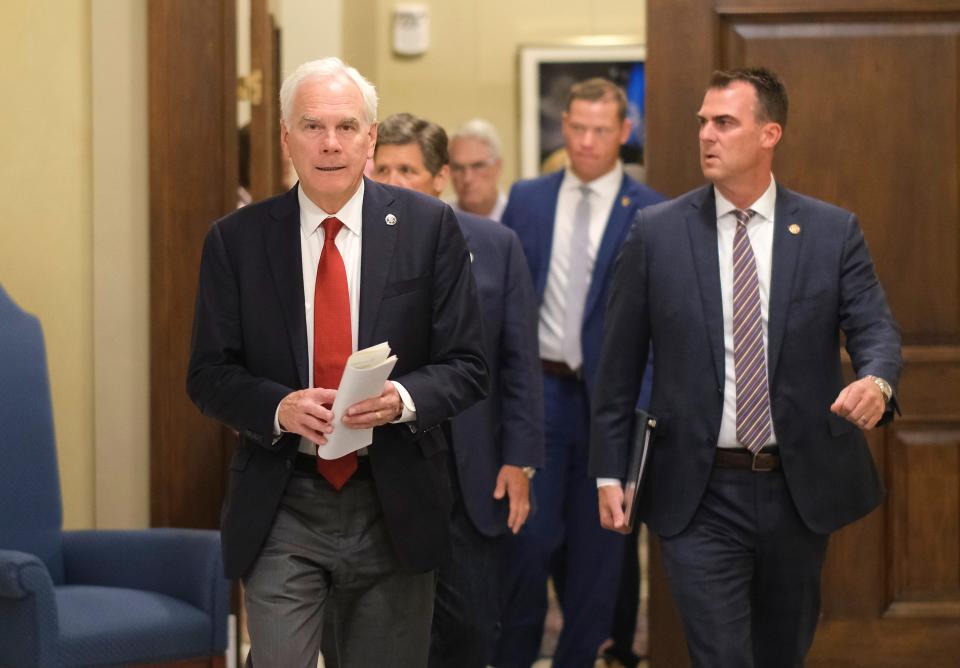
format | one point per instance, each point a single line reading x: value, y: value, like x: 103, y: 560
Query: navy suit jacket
x: 250, y: 350
x: 507, y: 426
x: 531, y: 210
x: 666, y: 290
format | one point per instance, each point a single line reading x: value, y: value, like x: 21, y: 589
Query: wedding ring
x: 377, y: 413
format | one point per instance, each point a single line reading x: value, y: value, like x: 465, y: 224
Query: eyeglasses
x: 460, y: 168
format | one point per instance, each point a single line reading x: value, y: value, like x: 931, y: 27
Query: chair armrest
x: 182, y: 563
x: 28, y: 612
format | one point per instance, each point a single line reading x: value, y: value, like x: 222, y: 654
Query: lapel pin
x: 794, y: 229
x: 625, y: 201
x: 390, y: 219
x: 471, y: 257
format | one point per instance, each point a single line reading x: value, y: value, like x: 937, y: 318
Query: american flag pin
x: 794, y: 229
x: 390, y: 219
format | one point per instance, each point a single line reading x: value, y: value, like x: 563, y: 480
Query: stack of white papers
x: 363, y: 378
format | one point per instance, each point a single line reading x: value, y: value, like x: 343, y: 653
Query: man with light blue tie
x: 571, y: 225
x: 743, y: 288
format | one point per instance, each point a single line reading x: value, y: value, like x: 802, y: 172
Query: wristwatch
x: 529, y: 471
x: 884, y: 387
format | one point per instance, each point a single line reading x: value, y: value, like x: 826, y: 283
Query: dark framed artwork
x: 546, y: 74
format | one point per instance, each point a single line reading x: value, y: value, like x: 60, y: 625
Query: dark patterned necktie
x: 749, y: 356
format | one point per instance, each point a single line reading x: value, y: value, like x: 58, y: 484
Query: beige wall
x: 471, y: 67
x: 45, y: 213
x: 121, y: 355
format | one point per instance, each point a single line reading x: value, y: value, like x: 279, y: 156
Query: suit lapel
x: 786, y: 251
x: 702, y: 229
x: 617, y: 225
x: 282, y: 241
x: 548, y: 217
x: 376, y: 251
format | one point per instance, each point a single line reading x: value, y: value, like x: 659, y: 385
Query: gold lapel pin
x: 794, y: 229
x: 390, y: 219
x: 625, y: 201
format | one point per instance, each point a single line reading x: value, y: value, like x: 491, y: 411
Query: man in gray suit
x: 743, y: 288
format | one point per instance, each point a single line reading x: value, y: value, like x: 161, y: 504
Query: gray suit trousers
x: 328, y: 553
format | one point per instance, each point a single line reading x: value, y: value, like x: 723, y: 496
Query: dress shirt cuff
x: 607, y: 482
x: 409, y: 413
x: 278, y: 431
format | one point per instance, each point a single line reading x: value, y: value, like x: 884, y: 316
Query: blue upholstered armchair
x: 87, y: 598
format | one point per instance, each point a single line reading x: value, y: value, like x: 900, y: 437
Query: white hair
x: 483, y: 131
x: 326, y: 68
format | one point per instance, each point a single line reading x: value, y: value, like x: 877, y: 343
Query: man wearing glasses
x: 475, y: 167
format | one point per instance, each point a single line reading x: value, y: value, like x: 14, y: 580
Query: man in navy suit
x: 743, y: 288
x: 498, y: 442
x: 571, y: 225
x: 288, y: 288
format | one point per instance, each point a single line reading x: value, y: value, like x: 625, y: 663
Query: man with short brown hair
x: 743, y: 288
x: 571, y: 224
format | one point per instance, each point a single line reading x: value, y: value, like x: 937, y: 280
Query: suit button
x: 288, y: 463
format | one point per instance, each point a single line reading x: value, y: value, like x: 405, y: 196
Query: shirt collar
x: 604, y: 186
x: 763, y: 207
x: 350, y: 214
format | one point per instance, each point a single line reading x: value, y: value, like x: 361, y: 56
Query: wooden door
x: 193, y: 181
x: 873, y: 127
x: 265, y: 158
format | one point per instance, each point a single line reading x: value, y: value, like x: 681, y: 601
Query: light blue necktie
x: 578, y: 281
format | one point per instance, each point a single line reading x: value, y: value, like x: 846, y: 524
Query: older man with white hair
x: 475, y: 167
x: 289, y: 288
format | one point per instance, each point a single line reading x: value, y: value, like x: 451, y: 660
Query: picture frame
x: 545, y: 76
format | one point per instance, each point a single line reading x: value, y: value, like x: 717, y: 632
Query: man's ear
x: 283, y: 139
x: 625, y: 129
x: 441, y: 179
x: 372, y: 147
x: 770, y: 135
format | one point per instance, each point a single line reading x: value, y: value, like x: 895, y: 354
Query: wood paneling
x: 873, y: 127
x: 265, y: 165
x: 193, y: 181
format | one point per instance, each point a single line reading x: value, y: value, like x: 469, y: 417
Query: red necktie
x: 332, y: 342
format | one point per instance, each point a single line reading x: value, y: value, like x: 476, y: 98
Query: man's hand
x: 513, y: 482
x: 307, y: 412
x: 861, y: 402
x: 611, y: 508
x: 375, y: 411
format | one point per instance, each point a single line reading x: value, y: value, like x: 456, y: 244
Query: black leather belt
x: 768, y: 459
x: 306, y: 466
x: 560, y: 369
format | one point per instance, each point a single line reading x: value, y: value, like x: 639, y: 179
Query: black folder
x: 644, y: 426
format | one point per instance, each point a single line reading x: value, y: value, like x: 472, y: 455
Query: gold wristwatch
x: 529, y: 471
x: 884, y: 388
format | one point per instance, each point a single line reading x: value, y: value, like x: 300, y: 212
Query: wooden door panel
x: 193, y: 181
x: 855, y: 127
x: 873, y: 127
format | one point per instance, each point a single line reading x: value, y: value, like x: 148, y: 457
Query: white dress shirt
x: 602, y: 196
x: 348, y: 242
x: 760, y: 232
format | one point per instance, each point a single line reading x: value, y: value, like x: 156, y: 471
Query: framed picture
x: 546, y: 74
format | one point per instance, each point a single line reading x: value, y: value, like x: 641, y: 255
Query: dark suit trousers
x: 328, y: 554
x: 565, y: 529
x: 746, y: 574
x: 467, y: 607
